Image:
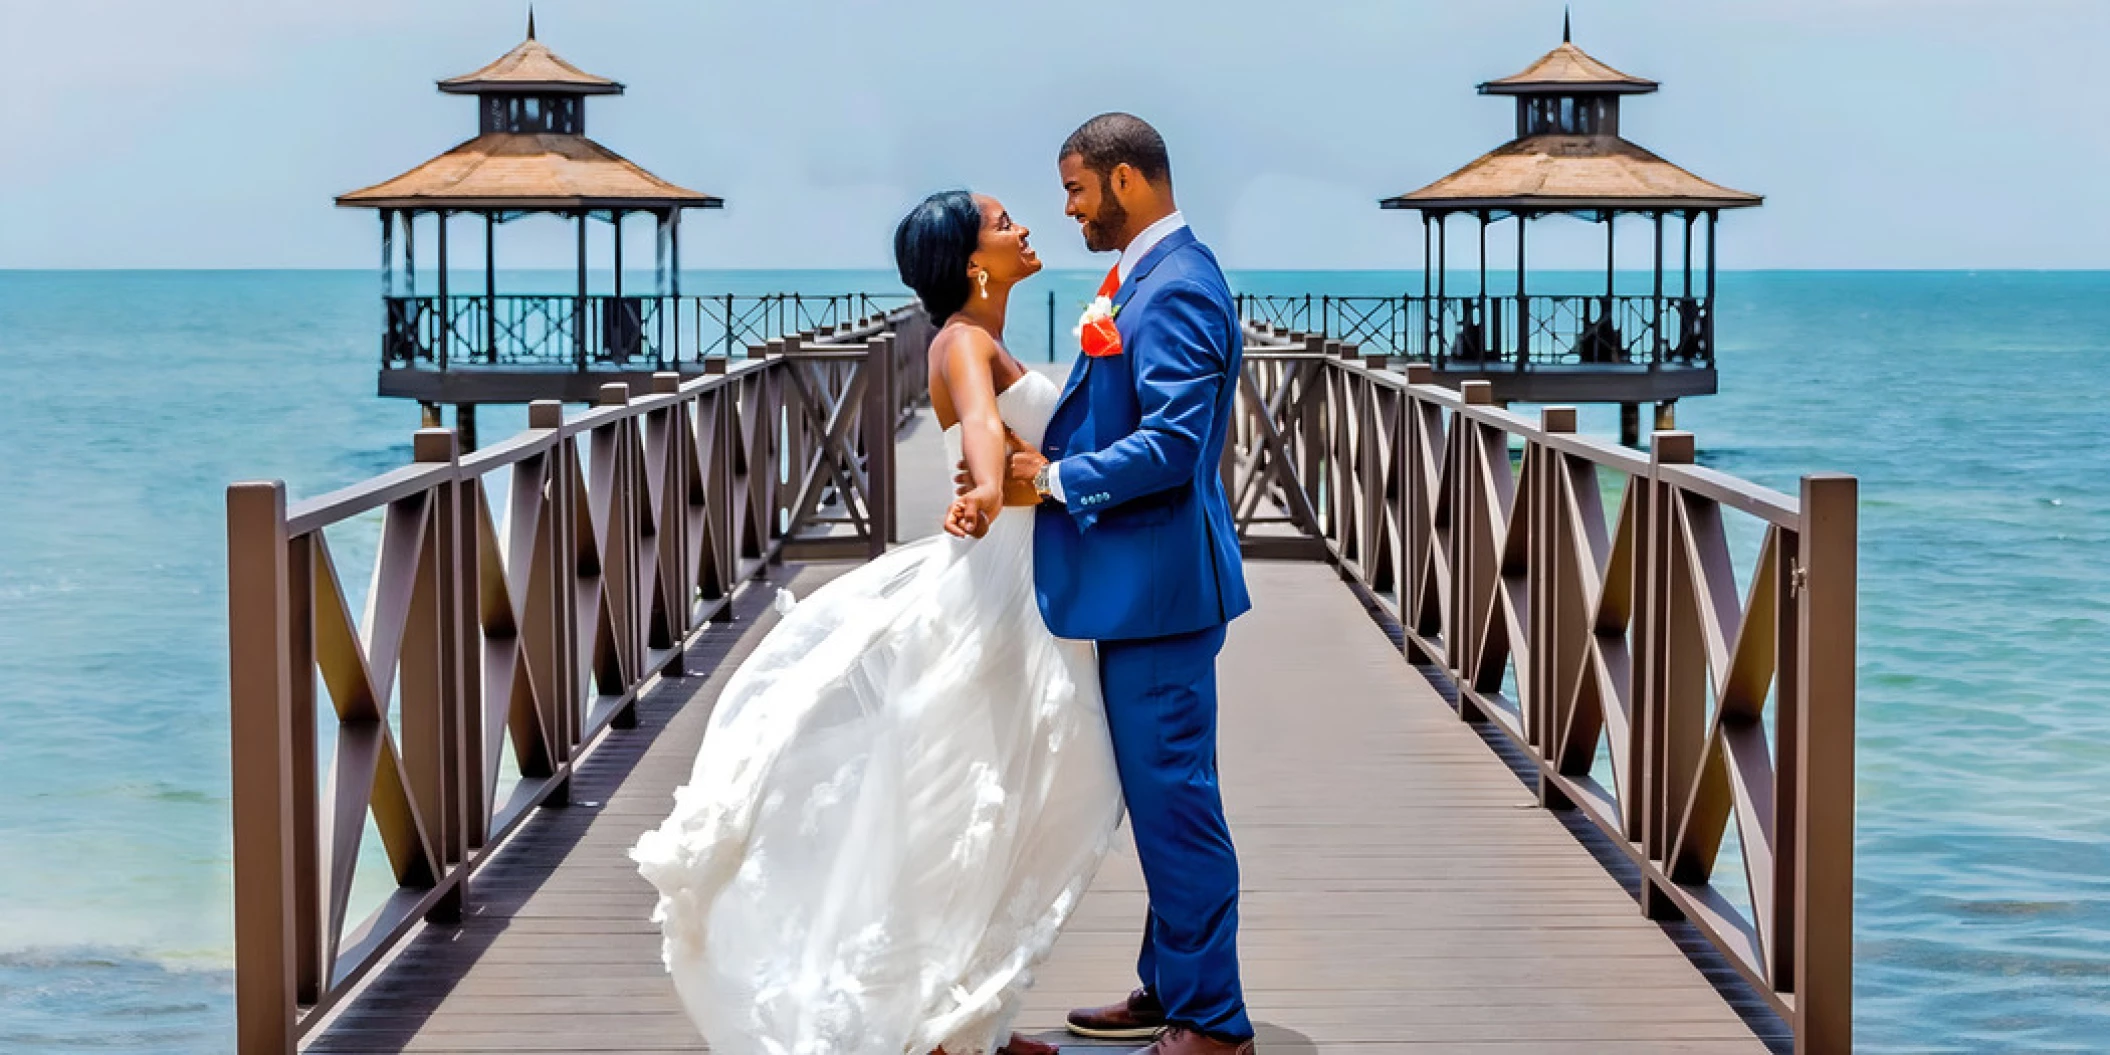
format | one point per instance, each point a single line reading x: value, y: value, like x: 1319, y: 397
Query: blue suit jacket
x: 1146, y: 546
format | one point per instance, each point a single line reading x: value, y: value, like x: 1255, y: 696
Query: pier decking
x: 1401, y: 890
x: 1406, y: 885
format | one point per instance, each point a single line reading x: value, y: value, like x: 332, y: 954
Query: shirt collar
x: 1145, y: 241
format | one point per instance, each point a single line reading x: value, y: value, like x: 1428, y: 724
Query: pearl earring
x: 984, y: 279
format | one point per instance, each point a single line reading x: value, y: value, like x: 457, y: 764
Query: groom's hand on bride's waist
x: 1021, y: 467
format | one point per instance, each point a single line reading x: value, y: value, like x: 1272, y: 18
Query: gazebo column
x: 1708, y: 313
x: 1611, y: 237
x: 388, y: 254
x: 618, y: 311
x: 1443, y: 261
x: 1629, y: 412
x: 410, y: 253
x: 1428, y: 259
x: 388, y: 283
x: 446, y: 331
x: 1656, y: 305
x: 659, y: 284
x: 1687, y: 243
x: 1523, y: 304
x: 1483, y: 320
x: 578, y: 311
x: 1667, y: 410
x: 464, y: 413
x: 428, y: 413
x: 490, y: 287
x: 674, y: 285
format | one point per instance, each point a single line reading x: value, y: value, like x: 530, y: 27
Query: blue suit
x: 1146, y: 564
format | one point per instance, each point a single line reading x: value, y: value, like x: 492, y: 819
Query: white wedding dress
x: 900, y: 798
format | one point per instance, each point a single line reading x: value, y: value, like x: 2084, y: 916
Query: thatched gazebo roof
x: 1568, y: 174
x: 529, y: 172
x: 509, y: 168
x: 1553, y: 166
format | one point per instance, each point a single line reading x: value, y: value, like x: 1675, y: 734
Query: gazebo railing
x: 600, y: 331
x: 1468, y: 332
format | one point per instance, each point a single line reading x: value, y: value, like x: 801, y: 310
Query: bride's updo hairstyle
x: 932, y: 247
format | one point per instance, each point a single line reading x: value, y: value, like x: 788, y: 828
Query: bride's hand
x: 971, y: 513
x: 1022, y: 464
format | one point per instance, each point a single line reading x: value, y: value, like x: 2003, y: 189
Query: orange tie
x: 1112, y: 285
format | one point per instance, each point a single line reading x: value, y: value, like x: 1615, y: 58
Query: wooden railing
x: 624, y: 531
x: 1483, y: 533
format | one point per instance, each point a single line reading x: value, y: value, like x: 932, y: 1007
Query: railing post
x: 430, y: 688
x: 1469, y: 566
x: 310, y: 973
x: 1670, y: 674
x: 1825, y: 574
x: 1332, y: 443
x: 547, y: 634
x: 619, y: 563
x: 672, y: 530
x: 876, y: 419
x: 260, y: 698
x: 1304, y: 431
x: 1555, y: 647
x: 888, y: 354
x: 1418, y: 507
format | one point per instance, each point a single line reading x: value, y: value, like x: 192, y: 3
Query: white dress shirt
x: 1147, y: 240
x: 1139, y: 246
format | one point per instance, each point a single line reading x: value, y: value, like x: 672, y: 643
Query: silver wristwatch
x: 1040, y: 482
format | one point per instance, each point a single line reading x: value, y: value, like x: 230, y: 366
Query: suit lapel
x: 1166, y: 246
x: 1077, y: 372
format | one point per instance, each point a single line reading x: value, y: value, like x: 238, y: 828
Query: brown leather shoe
x: 1027, y: 1046
x: 1179, y: 1040
x: 1139, y: 1017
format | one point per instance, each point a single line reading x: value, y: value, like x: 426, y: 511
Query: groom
x: 1145, y: 563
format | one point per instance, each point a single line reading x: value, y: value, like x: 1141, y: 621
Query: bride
x: 906, y: 789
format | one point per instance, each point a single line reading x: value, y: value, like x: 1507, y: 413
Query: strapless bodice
x: 1026, y: 406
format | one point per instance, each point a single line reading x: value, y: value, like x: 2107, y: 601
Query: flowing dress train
x: 901, y: 796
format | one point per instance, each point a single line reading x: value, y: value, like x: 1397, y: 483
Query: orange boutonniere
x: 1098, y: 336
x: 1095, y: 331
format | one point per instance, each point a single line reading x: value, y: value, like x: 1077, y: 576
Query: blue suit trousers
x: 1161, y: 709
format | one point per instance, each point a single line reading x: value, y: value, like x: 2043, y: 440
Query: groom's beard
x: 1102, y: 233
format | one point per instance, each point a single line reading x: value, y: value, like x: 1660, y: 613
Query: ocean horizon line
x: 1088, y: 269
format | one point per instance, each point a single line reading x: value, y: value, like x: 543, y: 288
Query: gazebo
x: 531, y: 156
x: 1568, y: 158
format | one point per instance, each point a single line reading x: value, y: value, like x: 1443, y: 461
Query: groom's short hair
x: 1117, y: 138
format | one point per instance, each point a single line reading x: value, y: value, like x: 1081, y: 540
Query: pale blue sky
x: 1884, y: 133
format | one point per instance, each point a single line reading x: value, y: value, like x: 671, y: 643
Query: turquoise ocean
x: 1971, y: 405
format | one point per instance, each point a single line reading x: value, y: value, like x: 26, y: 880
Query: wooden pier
x: 1413, y: 882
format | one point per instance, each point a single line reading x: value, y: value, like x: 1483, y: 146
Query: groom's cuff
x: 1055, y: 482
